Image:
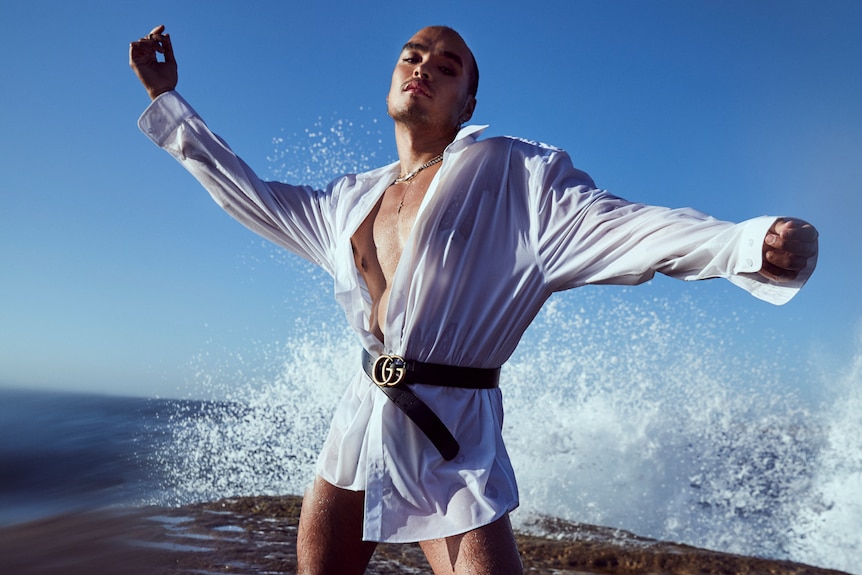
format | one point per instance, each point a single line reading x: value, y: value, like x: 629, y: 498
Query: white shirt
x: 503, y: 225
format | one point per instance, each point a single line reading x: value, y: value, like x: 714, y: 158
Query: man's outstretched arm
x: 787, y: 247
x: 295, y: 217
x: 157, y: 77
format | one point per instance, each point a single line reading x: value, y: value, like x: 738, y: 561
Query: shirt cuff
x: 752, y: 233
x: 163, y: 116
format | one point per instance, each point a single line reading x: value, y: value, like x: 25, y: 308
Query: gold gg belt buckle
x: 389, y: 370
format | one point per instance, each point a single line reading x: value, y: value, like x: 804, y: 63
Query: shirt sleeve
x: 588, y: 236
x: 295, y: 217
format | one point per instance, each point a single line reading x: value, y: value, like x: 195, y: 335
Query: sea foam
x: 617, y: 414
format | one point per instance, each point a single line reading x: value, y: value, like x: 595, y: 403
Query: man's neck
x: 419, y: 145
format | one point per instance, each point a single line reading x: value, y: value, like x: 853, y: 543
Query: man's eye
x: 448, y: 71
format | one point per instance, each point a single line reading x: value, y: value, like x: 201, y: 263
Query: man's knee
x: 489, y: 550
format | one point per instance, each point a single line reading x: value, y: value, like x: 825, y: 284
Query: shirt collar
x: 466, y: 136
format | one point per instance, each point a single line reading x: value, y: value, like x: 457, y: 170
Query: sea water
x: 63, y: 452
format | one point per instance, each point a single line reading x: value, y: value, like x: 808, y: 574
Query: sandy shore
x: 257, y: 535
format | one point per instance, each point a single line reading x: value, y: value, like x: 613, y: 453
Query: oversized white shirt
x: 504, y: 224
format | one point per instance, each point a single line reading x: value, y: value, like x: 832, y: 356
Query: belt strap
x: 431, y: 373
x: 393, y: 375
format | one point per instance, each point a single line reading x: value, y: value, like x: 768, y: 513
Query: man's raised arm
x: 157, y: 77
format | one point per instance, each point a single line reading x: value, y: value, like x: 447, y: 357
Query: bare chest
x: 394, y: 222
x: 379, y: 242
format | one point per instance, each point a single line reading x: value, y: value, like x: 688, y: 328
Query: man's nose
x: 419, y: 72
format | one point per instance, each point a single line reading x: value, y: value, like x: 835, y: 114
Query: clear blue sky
x: 119, y: 274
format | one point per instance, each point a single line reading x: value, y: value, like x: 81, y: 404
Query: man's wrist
x: 155, y: 93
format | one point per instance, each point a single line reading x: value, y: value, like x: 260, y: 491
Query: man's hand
x: 786, y: 249
x: 157, y: 77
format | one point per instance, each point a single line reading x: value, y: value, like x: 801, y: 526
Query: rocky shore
x: 257, y: 535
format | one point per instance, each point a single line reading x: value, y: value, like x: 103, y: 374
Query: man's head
x: 435, y: 80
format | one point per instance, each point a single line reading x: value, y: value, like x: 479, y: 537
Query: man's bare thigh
x: 488, y: 550
x: 329, y: 541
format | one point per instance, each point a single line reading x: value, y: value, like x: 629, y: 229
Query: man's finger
x: 792, y: 236
x: 798, y: 228
x: 776, y: 273
x: 806, y: 234
x: 141, y: 52
x: 787, y: 260
x: 168, y: 49
x: 145, y: 44
x: 804, y: 247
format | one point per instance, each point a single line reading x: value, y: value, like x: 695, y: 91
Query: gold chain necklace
x: 411, y: 175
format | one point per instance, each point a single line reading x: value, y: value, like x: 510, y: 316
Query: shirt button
x: 749, y: 262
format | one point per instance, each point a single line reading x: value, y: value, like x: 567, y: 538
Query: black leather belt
x: 394, y: 374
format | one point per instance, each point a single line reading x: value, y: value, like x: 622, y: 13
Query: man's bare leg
x: 488, y: 550
x: 329, y: 541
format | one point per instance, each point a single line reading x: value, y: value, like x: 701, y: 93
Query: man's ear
x: 469, y: 107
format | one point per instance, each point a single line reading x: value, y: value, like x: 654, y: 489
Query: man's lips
x: 416, y: 87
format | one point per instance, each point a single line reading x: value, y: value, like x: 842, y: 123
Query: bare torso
x: 379, y: 241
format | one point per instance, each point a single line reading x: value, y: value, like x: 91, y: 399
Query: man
x: 441, y: 261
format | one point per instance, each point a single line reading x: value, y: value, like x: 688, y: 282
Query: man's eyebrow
x: 418, y: 47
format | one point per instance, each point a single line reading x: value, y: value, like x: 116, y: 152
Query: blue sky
x: 120, y: 275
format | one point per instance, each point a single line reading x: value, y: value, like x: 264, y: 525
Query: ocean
x: 666, y: 434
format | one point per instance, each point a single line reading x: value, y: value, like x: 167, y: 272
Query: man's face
x: 430, y: 83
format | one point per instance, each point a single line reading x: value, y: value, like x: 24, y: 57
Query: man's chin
x: 411, y: 117
x: 417, y: 118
